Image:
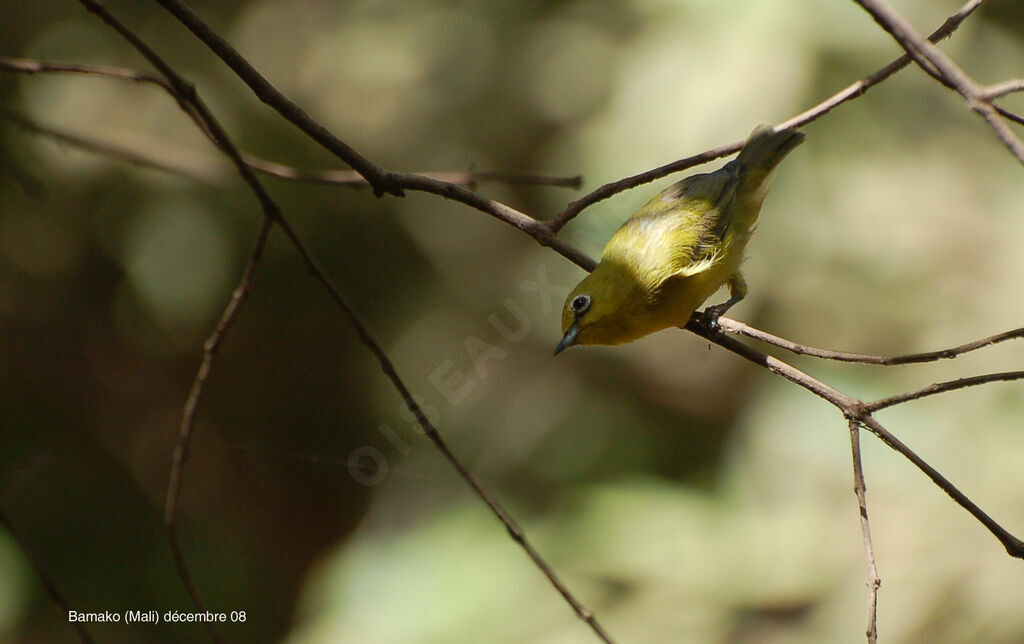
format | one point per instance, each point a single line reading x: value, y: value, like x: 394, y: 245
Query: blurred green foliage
x: 683, y: 494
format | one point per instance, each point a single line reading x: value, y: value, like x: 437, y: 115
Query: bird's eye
x: 579, y: 304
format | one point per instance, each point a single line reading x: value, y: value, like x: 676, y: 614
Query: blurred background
x: 682, y: 494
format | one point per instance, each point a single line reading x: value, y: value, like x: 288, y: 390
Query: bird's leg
x: 737, y: 291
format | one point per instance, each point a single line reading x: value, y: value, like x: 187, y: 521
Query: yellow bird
x: 677, y: 250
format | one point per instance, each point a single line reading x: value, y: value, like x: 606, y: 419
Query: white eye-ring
x: 579, y: 304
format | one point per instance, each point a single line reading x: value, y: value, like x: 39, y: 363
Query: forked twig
x: 931, y: 59
x: 854, y: 409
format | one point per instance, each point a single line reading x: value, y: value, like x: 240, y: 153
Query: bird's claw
x: 711, y: 315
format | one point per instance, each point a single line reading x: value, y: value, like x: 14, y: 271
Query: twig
x: 467, y: 178
x: 44, y: 577
x: 1002, y: 89
x: 109, y: 150
x: 535, y: 229
x: 858, y: 88
x: 853, y: 91
x: 210, y: 350
x: 432, y: 433
x: 860, y: 489
x: 377, y: 177
x: 928, y: 56
x: 733, y: 326
x: 941, y: 387
x: 382, y: 181
x: 854, y: 409
x: 1007, y: 114
x: 31, y: 66
x: 434, y: 184
x: 1014, y: 546
x: 615, y: 187
x: 345, y: 178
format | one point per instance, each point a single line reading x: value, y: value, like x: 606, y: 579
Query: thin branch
x: 860, y: 489
x: 615, y: 187
x: 535, y: 229
x: 31, y: 66
x: 468, y: 178
x: 941, y: 387
x: 44, y: 576
x: 1014, y: 546
x: 432, y: 433
x: 110, y: 150
x: 858, y: 88
x: 928, y: 56
x: 210, y: 351
x: 380, y: 179
x: 853, y: 91
x: 855, y: 409
x: 345, y: 178
x: 1002, y: 89
x: 1007, y: 114
x: 733, y: 326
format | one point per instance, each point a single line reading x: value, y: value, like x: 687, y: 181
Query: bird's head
x: 600, y: 310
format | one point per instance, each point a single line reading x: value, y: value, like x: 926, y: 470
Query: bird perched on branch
x: 677, y: 250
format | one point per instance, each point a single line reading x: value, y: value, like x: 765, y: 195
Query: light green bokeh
x: 13, y: 584
x: 177, y: 259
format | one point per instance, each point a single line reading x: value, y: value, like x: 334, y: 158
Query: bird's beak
x: 569, y: 338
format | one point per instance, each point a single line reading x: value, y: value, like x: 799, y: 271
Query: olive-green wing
x: 680, y: 231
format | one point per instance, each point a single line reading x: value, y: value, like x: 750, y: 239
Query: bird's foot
x: 711, y: 315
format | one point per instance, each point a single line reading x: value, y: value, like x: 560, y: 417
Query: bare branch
x: 851, y: 92
x: 110, y: 150
x: 30, y: 66
x: 929, y: 57
x: 1002, y: 89
x: 432, y: 433
x: 860, y: 489
x: 1014, y: 546
x: 941, y: 387
x: 210, y: 350
x: 1007, y: 114
x: 185, y: 94
x: 615, y: 187
x: 377, y: 177
x: 733, y: 326
x: 468, y: 178
x: 498, y: 210
x: 346, y: 178
x: 856, y: 410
